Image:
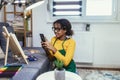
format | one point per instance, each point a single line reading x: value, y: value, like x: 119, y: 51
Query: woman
x: 62, y: 46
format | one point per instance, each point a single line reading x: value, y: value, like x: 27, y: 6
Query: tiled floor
x: 91, y: 74
x: 98, y: 72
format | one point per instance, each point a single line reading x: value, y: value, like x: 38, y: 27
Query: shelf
x: 13, y: 15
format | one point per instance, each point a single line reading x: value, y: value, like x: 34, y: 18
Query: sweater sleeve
x: 52, y: 41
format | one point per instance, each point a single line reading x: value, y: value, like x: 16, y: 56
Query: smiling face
x: 59, y: 31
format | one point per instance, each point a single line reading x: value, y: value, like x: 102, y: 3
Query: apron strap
x: 62, y: 43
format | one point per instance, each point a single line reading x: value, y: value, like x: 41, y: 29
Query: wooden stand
x: 14, y: 45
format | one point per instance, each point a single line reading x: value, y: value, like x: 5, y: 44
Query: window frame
x: 85, y: 18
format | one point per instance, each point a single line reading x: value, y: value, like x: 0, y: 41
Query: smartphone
x: 46, y: 50
x: 42, y: 37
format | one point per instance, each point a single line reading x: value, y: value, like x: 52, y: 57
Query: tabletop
x: 50, y: 76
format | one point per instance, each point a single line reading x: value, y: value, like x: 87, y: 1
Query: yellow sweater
x: 69, y: 47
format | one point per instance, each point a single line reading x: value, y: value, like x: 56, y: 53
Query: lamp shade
x: 30, y: 4
x: 33, y: 4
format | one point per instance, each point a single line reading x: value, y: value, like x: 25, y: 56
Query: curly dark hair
x: 65, y: 25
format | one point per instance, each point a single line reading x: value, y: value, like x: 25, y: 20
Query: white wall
x: 105, y: 38
x: 106, y: 43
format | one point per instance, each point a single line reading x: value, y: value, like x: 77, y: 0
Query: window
x: 67, y: 8
x: 84, y: 9
x: 98, y: 7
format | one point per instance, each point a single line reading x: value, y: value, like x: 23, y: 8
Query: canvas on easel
x: 14, y: 45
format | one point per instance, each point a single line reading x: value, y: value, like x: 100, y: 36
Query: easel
x: 14, y: 44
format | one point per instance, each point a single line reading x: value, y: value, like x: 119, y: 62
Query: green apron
x: 71, y: 67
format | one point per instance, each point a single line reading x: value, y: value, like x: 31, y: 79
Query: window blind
x: 67, y: 7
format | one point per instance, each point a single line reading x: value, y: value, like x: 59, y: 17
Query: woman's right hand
x: 49, y: 46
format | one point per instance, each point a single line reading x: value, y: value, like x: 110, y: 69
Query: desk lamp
x: 30, y: 4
